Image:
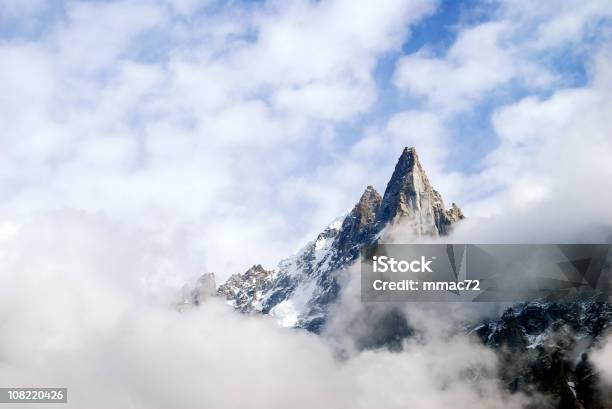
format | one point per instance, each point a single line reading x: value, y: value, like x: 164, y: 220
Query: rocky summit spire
x: 365, y: 210
x: 302, y: 287
x: 359, y: 223
x: 409, y: 197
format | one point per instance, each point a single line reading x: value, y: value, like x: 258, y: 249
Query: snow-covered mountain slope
x: 298, y: 292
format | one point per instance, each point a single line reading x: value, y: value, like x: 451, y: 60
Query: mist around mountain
x: 544, y: 350
x: 74, y: 318
x: 72, y: 315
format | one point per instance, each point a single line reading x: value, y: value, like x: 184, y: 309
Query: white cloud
x: 95, y: 35
x: 475, y: 64
x: 548, y: 179
x: 602, y: 359
x: 227, y: 129
x: 336, y: 101
x: 72, y: 317
x: 548, y: 164
x: 175, y: 116
x: 559, y: 22
x: 514, y: 48
x: 563, y: 140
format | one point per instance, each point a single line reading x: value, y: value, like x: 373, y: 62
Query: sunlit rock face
x: 245, y: 291
x: 411, y: 199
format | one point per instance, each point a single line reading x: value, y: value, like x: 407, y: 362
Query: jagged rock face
x: 544, y: 347
x: 245, y: 291
x: 530, y: 324
x: 302, y: 287
x: 454, y: 213
x: 410, y: 198
x: 358, y: 227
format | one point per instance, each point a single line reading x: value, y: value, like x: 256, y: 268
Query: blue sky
x: 253, y: 125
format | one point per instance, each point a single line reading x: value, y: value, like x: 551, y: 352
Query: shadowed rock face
x: 358, y: 227
x: 544, y: 348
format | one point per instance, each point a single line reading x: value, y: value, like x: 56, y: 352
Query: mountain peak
x: 408, y: 159
x: 369, y: 197
x: 407, y: 167
x: 245, y: 290
x: 365, y: 210
x: 299, y: 291
x: 410, y: 197
x: 409, y: 150
x: 359, y: 222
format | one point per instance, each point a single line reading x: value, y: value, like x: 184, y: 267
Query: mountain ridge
x: 298, y: 292
x: 543, y: 348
